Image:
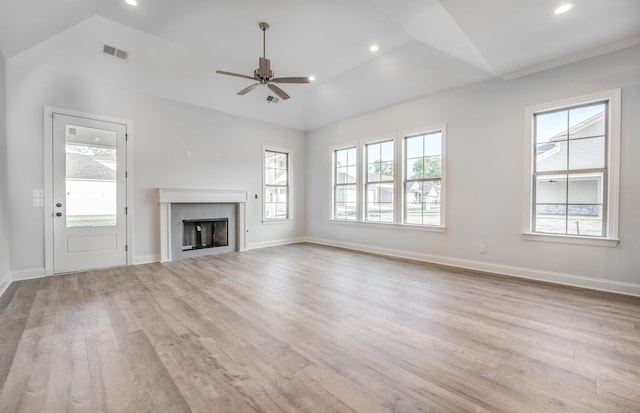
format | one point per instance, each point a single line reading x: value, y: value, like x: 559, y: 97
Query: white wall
x: 226, y: 154
x: 4, y: 215
x: 485, y: 177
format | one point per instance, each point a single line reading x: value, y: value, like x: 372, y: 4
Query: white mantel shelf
x: 168, y: 196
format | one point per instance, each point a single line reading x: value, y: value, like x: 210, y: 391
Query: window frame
x: 365, y: 177
x: 611, y: 180
x: 442, y: 129
x: 289, y: 186
x: 335, y: 184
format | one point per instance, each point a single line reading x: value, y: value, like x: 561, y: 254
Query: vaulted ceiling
x: 426, y: 46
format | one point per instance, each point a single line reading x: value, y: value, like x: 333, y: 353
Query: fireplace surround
x: 170, y: 197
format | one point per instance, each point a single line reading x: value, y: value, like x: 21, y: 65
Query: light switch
x: 38, y: 193
x: 38, y: 202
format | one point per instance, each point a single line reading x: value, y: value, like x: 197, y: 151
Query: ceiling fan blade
x: 281, y: 93
x: 290, y: 80
x: 248, y: 89
x: 222, y: 72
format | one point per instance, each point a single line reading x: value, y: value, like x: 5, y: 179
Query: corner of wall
x: 5, y: 278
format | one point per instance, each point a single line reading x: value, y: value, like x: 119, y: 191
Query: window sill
x: 277, y: 221
x: 389, y: 224
x: 571, y: 239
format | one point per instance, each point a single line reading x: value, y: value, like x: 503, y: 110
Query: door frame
x: 48, y: 179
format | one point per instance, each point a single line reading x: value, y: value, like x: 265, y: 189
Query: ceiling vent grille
x: 110, y: 50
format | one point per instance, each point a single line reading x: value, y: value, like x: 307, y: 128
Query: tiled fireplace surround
x: 168, y: 196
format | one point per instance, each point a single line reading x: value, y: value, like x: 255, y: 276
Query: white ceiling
x: 426, y: 46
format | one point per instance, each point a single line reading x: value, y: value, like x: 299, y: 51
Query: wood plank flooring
x: 305, y: 328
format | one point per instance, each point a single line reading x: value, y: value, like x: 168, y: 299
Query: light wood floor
x: 304, y: 328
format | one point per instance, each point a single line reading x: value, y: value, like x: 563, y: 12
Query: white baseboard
x: 528, y: 273
x: 28, y: 274
x: 275, y: 243
x: 146, y: 259
x: 4, y: 284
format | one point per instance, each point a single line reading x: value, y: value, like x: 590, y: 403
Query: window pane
x: 352, y: 159
x: 551, y: 127
x: 269, y: 159
x: 351, y: 174
x: 373, y: 153
x: 387, y: 151
x: 432, y: 167
x: 270, y: 210
x: 585, y: 189
x: 551, y: 189
x: 433, y: 144
x: 379, y: 202
x: 551, y: 156
x: 271, y: 195
x: 551, y: 219
x: 415, y: 168
x: 270, y: 176
x: 585, y: 220
x: 415, y: 147
x: 587, y: 121
x: 341, y: 158
x: 281, y: 177
x: 586, y: 153
x: 281, y: 160
x: 341, y: 175
x: 423, y: 203
x: 91, y: 186
x: 281, y: 211
x: 282, y: 195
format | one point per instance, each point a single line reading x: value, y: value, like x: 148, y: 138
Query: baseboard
x: 146, y: 259
x: 528, y: 273
x: 28, y: 274
x: 4, y: 284
x: 275, y: 243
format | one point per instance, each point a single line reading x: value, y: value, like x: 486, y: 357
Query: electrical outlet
x: 38, y: 202
x: 483, y: 249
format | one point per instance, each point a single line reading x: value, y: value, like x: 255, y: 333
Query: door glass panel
x: 91, y: 197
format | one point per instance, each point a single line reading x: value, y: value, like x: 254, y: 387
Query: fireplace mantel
x: 168, y: 196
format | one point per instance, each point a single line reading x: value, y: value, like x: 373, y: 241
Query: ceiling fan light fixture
x: 374, y: 48
x: 131, y: 2
x: 564, y: 6
x: 312, y: 78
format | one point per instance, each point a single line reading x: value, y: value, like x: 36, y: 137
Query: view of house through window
x: 91, y: 196
x: 380, y: 183
x: 345, y: 184
x: 570, y: 171
x: 423, y: 172
x: 276, y: 185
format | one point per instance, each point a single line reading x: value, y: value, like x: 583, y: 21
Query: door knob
x: 58, y: 214
x: 58, y: 204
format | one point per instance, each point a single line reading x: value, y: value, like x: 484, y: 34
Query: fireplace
x: 178, y: 205
x: 204, y: 233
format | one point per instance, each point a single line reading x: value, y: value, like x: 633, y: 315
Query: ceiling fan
x: 263, y: 75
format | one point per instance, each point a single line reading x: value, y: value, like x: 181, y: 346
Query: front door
x: 89, y: 194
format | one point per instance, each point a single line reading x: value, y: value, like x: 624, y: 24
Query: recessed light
x: 131, y: 2
x: 312, y: 78
x: 374, y: 48
x: 564, y: 6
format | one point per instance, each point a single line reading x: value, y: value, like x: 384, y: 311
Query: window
x: 345, y: 174
x: 276, y: 185
x: 423, y: 179
x: 379, y: 191
x: 574, y: 167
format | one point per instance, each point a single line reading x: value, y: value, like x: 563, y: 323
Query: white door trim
x: 48, y: 179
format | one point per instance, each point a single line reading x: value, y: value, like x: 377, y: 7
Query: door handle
x: 58, y: 214
x: 58, y: 204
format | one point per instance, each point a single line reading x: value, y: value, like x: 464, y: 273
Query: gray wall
x: 4, y: 214
x: 226, y: 153
x: 485, y: 177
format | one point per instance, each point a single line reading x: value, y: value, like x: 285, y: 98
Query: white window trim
x: 362, y: 188
x: 333, y: 150
x: 399, y: 177
x: 442, y: 128
x: 290, y: 215
x: 613, y: 96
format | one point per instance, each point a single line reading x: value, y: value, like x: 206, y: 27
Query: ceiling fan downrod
x: 264, y: 27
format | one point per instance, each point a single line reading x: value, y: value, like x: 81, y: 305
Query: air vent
x: 110, y: 50
x: 72, y: 131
